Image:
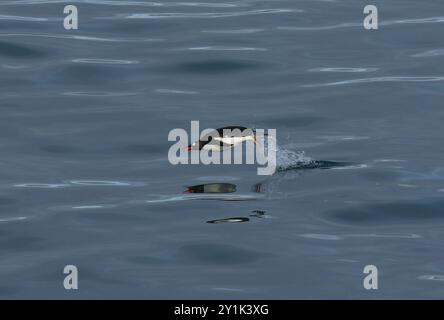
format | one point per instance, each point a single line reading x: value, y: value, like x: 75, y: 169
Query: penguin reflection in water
x: 224, y: 138
x: 212, y: 188
x: 256, y: 214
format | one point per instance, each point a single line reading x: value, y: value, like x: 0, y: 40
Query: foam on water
x: 287, y: 159
x: 292, y: 160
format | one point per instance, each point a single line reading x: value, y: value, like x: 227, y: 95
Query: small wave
x: 389, y: 160
x: 105, y: 61
x: 126, y: 3
x: 415, y: 21
x: 77, y: 182
x: 336, y: 26
x: 376, y: 79
x: 221, y: 197
x: 173, y: 91
x: 343, y: 138
x: 41, y: 185
x: 78, y: 37
x: 101, y: 183
x: 371, y: 235
x: 234, y: 31
x: 359, y: 24
x: 433, y: 277
x: 387, y: 235
x: 228, y: 289
x: 20, y: 18
x: 88, y: 207
x: 12, y: 219
x: 222, y: 48
x: 348, y: 260
x: 14, y: 67
x: 343, y: 70
x: 345, y: 166
x: 328, y: 237
x: 201, y: 4
x: 430, y: 53
x: 203, y: 15
x: 98, y: 94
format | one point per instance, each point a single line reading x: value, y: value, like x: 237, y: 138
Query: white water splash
x: 286, y: 159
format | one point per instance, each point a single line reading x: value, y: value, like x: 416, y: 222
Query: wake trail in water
x: 297, y: 160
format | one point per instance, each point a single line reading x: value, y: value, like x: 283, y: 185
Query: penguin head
x: 198, y: 145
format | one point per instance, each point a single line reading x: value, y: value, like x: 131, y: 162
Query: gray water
x: 84, y: 174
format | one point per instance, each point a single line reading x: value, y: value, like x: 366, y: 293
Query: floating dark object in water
x: 257, y: 213
x: 212, y: 188
x: 230, y: 220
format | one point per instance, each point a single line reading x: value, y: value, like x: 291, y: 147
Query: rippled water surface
x: 84, y: 174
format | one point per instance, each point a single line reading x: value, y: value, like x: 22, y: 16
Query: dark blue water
x: 84, y: 174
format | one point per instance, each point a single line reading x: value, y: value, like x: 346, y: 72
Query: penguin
x: 217, y: 141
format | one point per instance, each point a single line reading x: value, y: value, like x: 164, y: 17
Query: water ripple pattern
x: 105, y: 61
x: 200, y: 15
x: 375, y: 79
